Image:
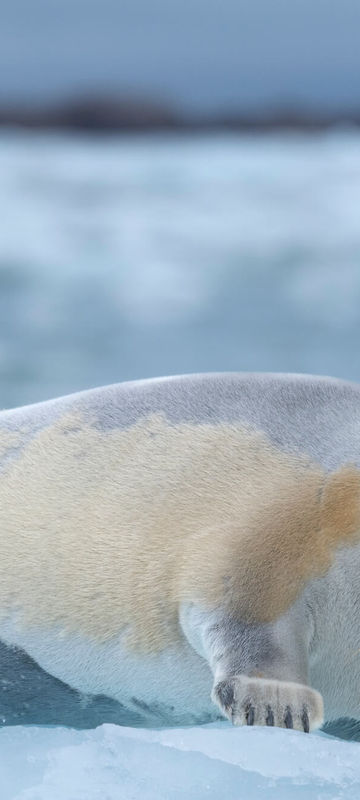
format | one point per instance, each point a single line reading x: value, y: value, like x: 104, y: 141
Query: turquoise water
x: 126, y: 258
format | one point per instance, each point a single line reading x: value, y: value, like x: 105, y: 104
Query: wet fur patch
x: 108, y: 531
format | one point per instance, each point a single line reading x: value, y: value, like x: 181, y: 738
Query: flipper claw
x: 288, y: 718
x: 305, y: 721
x: 250, y: 715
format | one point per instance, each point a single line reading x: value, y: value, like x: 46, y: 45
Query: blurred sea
x: 124, y: 258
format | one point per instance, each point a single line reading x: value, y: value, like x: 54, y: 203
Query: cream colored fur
x: 108, y: 531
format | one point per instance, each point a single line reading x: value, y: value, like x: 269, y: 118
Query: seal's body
x: 180, y: 549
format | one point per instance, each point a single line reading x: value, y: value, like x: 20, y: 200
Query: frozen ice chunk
x: 210, y: 762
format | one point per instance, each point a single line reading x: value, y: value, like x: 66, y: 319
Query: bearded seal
x: 181, y: 549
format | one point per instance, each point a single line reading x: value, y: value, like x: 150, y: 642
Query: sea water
x: 125, y: 258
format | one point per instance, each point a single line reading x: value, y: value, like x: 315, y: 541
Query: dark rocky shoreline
x: 113, y: 115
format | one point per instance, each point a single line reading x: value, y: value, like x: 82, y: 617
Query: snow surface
x: 215, y: 762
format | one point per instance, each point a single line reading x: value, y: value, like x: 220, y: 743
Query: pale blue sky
x: 200, y: 54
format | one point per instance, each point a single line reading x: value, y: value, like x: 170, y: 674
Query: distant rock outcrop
x: 122, y: 115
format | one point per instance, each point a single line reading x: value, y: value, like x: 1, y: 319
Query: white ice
x: 216, y: 762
